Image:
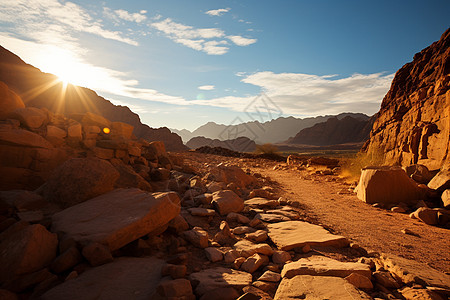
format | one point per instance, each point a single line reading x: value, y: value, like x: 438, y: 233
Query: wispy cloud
x: 195, y: 38
x: 218, y: 12
x: 121, y: 14
x: 212, y: 41
x: 309, y: 95
x: 53, y: 21
x: 241, y: 41
x: 206, y: 87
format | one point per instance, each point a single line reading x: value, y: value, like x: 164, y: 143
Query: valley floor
x: 326, y: 200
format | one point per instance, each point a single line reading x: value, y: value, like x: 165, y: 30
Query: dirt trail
x: 372, y: 228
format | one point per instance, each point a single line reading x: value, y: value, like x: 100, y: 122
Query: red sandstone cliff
x: 413, y: 123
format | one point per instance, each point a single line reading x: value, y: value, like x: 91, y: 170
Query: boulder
x: 125, y: 278
x: 174, y: 289
x: 254, y: 262
x: 227, y: 201
x: 293, y: 234
x: 270, y: 276
x: 262, y: 202
x: 219, y: 277
x: 95, y: 120
x: 78, y: 180
x: 31, y: 117
x: 120, y: 129
x: 246, y: 248
x: 387, y: 185
x: 446, y: 198
x: 324, y: 266
x: 232, y: 174
x: 318, y: 287
x: 257, y: 236
x: 55, y: 132
x: 97, y: 254
x: 116, y: 218
x: 419, y: 173
x: 25, y: 249
x: 22, y: 138
x: 9, y: 101
x: 386, y: 279
x: 359, y: 281
x: 213, y: 254
x: 128, y: 178
x: 197, y: 237
x: 281, y: 257
x: 410, y: 272
x: 441, y: 181
x: 427, y: 215
x: 66, y: 260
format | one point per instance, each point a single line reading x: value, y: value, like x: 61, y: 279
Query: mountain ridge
x: 39, y: 89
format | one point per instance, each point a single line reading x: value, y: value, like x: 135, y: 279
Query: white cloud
x: 206, y: 87
x: 52, y: 21
x: 310, y: 95
x: 241, y: 41
x: 195, y: 38
x: 218, y: 12
x: 125, y: 15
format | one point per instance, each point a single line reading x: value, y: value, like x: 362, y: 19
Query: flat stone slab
x: 292, y: 234
x: 262, y: 202
x: 272, y: 218
x: 318, y: 287
x: 219, y: 277
x: 117, y: 218
x: 125, y: 278
x: 324, y: 266
x: 410, y: 271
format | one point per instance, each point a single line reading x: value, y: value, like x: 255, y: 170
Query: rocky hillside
x: 241, y: 144
x: 334, y: 132
x: 273, y: 131
x: 38, y: 89
x: 414, y: 120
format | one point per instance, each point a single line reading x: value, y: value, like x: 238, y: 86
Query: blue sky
x: 181, y: 64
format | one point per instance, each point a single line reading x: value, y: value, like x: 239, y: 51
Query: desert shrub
x: 267, y: 149
x: 351, y: 167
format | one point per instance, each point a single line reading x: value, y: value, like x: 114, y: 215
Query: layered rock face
x: 42, y: 90
x: 413, y: 123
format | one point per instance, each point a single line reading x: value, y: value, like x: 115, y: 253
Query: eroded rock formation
x: 413, y: 123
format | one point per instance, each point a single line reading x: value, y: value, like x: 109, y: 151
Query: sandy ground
x: 372, y: 228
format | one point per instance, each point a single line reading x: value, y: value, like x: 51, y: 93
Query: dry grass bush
x: 351, y: 167
x: 267, y: 149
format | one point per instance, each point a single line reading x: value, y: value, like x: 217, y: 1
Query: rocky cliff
x: 38, y: 89
x: 334, y: 132
x: 413, y: 123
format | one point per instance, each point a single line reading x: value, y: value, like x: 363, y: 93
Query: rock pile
x: 422, y: 194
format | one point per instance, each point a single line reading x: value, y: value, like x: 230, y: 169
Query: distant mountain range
x: 40, y: 89
x: 241, y: 144
x: 274, y: 131
x: 334, y: 132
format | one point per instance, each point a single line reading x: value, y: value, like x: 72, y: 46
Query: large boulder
x: 125, y: 278
x: 31, y: 117
x: 9, y: 101
x: 25, y: 249
x: 227, y: 201
x: 387, y: 185
x: 232, y: 174
x: 78, y: 180
x: 129, y: 178
x: 116, y: 218
x: 441, y: 181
